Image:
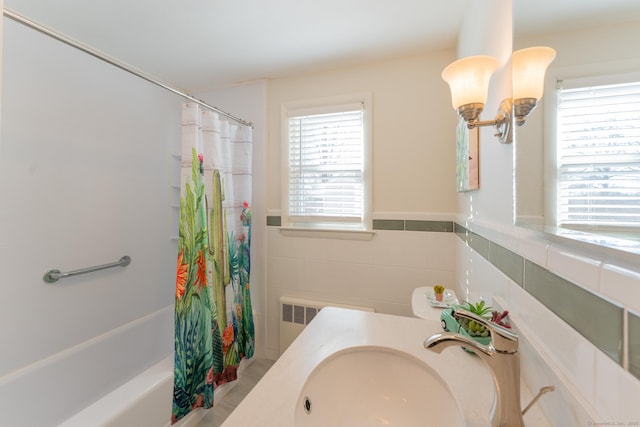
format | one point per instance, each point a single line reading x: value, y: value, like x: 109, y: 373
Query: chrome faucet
x: 503, y: 359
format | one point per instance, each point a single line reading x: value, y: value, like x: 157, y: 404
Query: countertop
x: 272, y: 402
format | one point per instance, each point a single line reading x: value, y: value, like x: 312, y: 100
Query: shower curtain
x: 213, y: 317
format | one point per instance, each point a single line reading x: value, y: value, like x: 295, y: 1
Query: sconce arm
x: 482, y: 123
x: 502, y: 122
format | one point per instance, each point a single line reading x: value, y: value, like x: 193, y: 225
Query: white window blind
x: 326, y: 166
x: 599, y: 156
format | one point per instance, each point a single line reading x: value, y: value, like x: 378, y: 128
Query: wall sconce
x: 469, y: 77
x: 529, y: 66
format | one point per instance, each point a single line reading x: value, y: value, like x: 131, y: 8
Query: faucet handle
x: 502, y: 339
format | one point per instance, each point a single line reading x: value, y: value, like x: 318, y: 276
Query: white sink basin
x: 375, y: 386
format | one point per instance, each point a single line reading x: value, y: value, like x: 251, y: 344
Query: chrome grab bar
x: 53, y: 276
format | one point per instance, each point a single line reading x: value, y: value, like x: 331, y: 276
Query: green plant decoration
x: 193, y: 357
x: 217, y: 241
x: 472, y: 327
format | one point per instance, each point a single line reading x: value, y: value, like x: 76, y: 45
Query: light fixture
x: 529, y: 66
x: 469, y: 77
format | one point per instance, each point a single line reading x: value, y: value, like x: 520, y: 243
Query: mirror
x: 590, y: 38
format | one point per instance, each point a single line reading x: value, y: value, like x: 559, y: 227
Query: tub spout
x: 503, y: 360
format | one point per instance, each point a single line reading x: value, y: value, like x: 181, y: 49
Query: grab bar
x: 52, y: 276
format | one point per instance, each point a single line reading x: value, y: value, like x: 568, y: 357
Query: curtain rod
x: 86, y: 49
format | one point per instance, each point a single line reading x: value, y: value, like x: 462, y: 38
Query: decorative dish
x: 449, y: 298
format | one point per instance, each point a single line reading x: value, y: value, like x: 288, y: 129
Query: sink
x: 375, y: 386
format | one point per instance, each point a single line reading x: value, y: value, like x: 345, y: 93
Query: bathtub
x: 144, y: 401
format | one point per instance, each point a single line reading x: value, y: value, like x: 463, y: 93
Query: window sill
x: 323, y: 233
x: 592, y: 238
x: 586, y: 239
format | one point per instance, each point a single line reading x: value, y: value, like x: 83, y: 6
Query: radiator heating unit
x: 295, y: 315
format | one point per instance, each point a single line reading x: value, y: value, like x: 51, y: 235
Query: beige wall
x: 486, y: 30
x: 413, y: 178
x: 413, y: 129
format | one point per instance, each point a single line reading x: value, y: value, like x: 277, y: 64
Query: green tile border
x: 474, y: 240
x: 436, y: 226
x: 461, y: 232
x: 274, y: 221
x: 634, y: 344
x: 598, y: 320
x: 388, y: 224
x: 508, y: 262
x: 478, y: 243
x: 392, y: 224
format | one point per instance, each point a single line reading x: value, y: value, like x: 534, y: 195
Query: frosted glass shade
x: 468, y: 79
x: 529, y: 67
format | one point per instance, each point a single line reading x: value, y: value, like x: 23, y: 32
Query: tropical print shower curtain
x: 213, y: 317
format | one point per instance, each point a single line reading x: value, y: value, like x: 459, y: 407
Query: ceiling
x: 196, y: 45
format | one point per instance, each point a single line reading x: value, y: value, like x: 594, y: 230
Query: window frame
x: 595, y: 75
x: 355, y: 230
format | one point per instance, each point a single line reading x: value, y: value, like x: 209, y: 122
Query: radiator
x: 295, y: 315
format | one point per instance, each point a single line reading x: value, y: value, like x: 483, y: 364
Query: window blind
x: 599, y: 156
x: 326, y: 167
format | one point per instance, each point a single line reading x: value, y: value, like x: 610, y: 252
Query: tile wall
x: 582, y: 306
x: 599, y: 320
x: 380, y: 273
x: 581, y: 333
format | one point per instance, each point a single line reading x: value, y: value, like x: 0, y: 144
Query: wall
x: 413, y: 179
x: 409, y: 127
x: 577, y: 304
x: 486, y: 30
x: 1, y: 38
x: 84, y: 180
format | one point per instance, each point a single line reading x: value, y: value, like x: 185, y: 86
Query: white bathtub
x: 145, y: 401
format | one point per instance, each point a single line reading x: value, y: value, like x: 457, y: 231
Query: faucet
x: 501, y: 356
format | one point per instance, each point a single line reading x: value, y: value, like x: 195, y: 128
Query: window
x: 326, y: 165
x: 598, y: 145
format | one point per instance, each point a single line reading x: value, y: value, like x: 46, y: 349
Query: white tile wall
x: 384, y: 271
x: 564, y: 406
x: 574, y: 265
x: 596, y: 388
x: 617, y: 392
x: 380, y: 273
x: 532, y: 246
x: 476, y: 278
x: 622, y: 284
x: 567, y: 348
